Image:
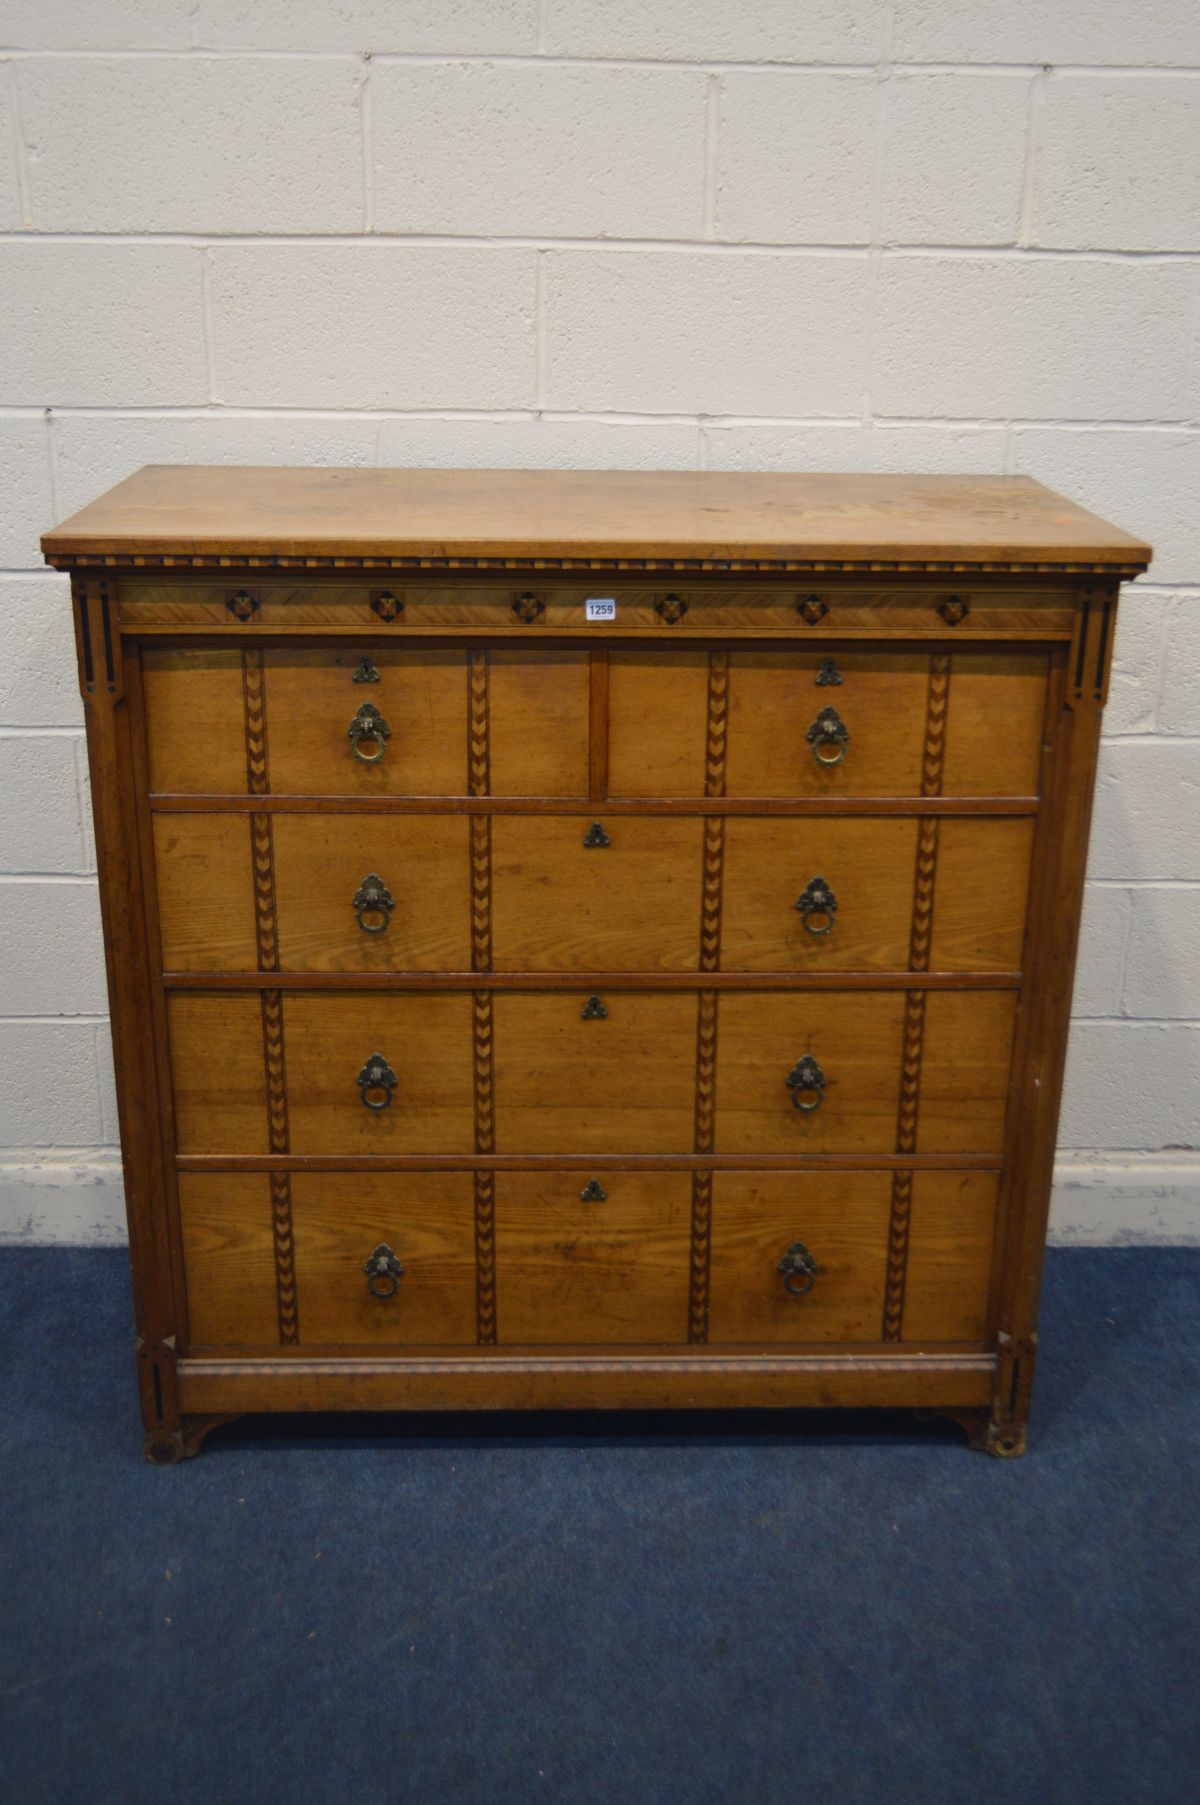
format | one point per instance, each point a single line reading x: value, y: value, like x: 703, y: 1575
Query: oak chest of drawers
x: 588, y: 940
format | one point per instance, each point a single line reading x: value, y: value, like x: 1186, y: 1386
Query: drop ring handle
x: 828, y: 736
x: 799, y: 1269
x: 367, y: 729
x: 383, y: 1272
x: 806, y: 1081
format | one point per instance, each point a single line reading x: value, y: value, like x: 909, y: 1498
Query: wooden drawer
x: 570, y: 1083
x: 675, y: 607
x: 517, y: 722
x: 841, y: 1220
x: 322, y: 918
x: 979, y: 727
x: 581, y: 1259
x: 592, y: 1258
x: 562, y: 902
x: 237, y: 1074
x: 773, y: 866
x: 228, y: 722
x: 426, y: 1218
x: 858, y: 1040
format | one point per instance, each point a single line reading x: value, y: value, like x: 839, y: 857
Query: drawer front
x: 817, y: 895
x: 806, y: 1072
x: 567, y: 1081
x: 372, y: 892
x: 352, y: 892
x: 581, y: 1259
x: 321, y: 1060
x: 429, y: 722
x: 671, y: 609
x: 615, y: 895
x: 228, y: 722
x: 827, y: 724
x: 831, y: 1231
x: 403, y: 733
x: 376, y: 892
x: 425, y: 1220
x: 592, y: 1258
x: 851, y: 1101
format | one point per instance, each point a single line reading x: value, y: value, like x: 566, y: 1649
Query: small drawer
x: 373, y: 892
x: 333, y: 728
x: 416, y: 1230
x: 835, y: 1223
x: 802, y: 1257
x: 613, y: 894
x: 352, y: 892
x: 822, y: 1071
x: 604, y: 1073
x: 368, y: 1073
x: 815, y: 894
x: 595, y: 1258
x: 830, y: 722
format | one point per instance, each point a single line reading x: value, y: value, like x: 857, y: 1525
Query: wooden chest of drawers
x: 588, y: 940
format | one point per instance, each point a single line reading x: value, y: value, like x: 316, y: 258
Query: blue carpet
x: 651, y: 1610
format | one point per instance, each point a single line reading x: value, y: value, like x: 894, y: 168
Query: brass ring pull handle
x: 818, y: 906
x: 376, y: 1082
x: 373, y: 903
x: 799, y: 1269
x: 367, y: 729
x: 383, y: 1269
x: 807, y: 1081
x: 828, y: 736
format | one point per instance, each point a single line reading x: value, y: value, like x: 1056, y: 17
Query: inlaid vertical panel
x: 286, y: 1303
x: 706, y: 1017
x: 933, y: 758
x: 485, y: 1258
x: 281, y: 1190
x: 254, y: 702
x: 479, y: 782
x: 262, y: 858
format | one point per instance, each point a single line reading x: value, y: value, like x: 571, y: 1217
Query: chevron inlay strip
x: 262, y: 859
x: 716, y: 741
x: 485, y: 1258
x: 897, y: 1266
x: 478, y: 746
x: 702, y: 1189
x: 255, y: 704
x: 285, y: 1259
x: 920, y: 941
x: 706, y: 1069
x: 485, y: 1132
x: 277, y: 1112
x: 937, y: 703
x: 718, y: 724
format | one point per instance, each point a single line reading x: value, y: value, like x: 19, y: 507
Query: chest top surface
x: 185, y: 513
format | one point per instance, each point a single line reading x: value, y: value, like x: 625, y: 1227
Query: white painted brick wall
x: 948, y: 235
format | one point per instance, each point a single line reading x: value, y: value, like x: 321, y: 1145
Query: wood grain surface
x: 228, y: 511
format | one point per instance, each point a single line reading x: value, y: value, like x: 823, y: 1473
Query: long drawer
x: 560, y: 1258
x: 373, y: 722
x: 387, y: 892
x: 565, y: 1071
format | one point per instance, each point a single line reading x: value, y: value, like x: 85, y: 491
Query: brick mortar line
x: 533, y: 415
x: 683, y: 245
x: 551, y: 59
